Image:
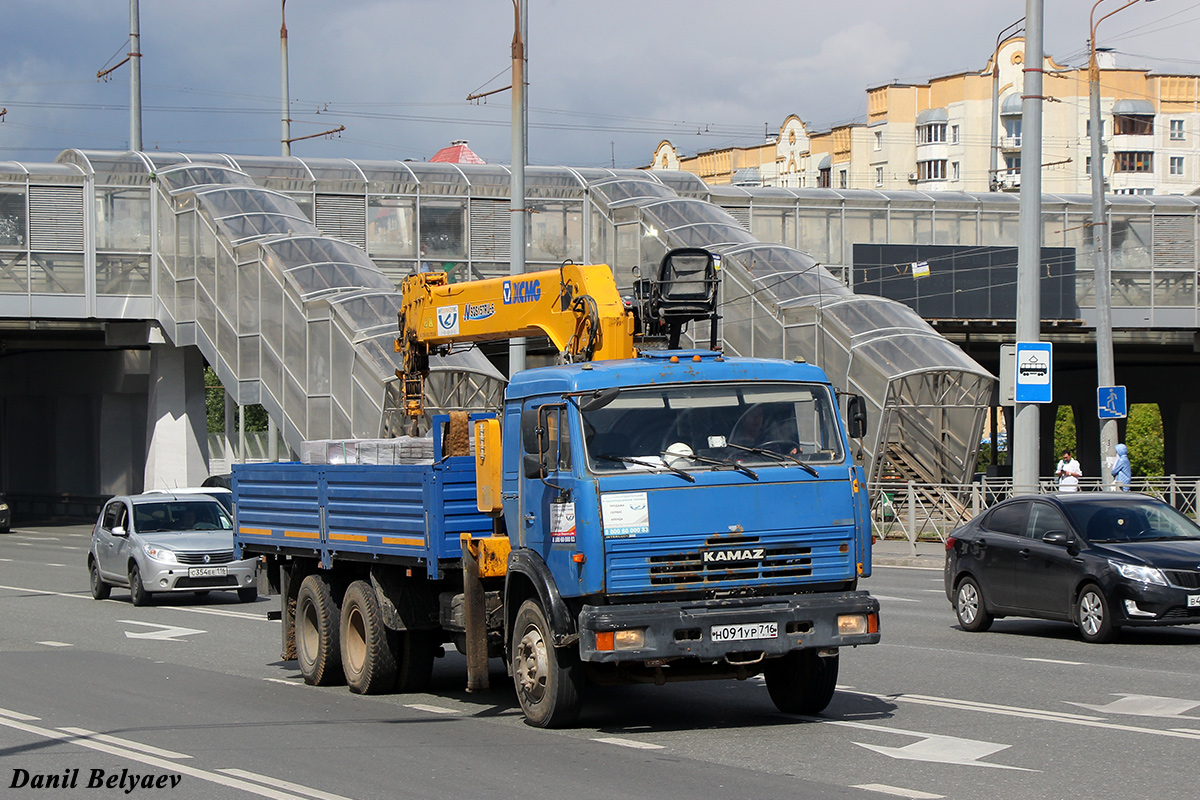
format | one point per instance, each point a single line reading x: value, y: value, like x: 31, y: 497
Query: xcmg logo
x: 522, y: 291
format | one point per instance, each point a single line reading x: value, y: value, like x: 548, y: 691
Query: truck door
x: 547, y: 501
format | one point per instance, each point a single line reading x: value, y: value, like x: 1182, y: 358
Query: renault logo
x: 207, y: 558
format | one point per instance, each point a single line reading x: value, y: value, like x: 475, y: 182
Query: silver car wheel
x: 1091, y: 613
x: 968, y: 603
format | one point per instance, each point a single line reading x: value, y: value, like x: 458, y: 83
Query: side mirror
x: 856, y: 417
x: 532, y: 466
x: 1057, y: 537
x: 119, y: 530
x: 531, y: 422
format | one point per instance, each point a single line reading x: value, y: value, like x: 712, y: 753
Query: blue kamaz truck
x: 677, y: 515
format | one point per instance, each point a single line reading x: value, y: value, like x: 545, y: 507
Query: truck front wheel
x: 318, y: 651
x: 802, y: 682
x: 548, y: 679
x: 366, y: 652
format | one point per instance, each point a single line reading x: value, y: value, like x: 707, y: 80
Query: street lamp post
x: 1105, y: 369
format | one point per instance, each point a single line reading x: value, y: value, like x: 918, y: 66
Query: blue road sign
x: 1035, y: 372
x: 1110, y: 402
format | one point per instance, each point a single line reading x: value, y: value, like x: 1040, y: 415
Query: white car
x: 165, y: 542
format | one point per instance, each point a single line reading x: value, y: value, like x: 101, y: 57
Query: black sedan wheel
x: 1093, y: 616
x: 968, y: 604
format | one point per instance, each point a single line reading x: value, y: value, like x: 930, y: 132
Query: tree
x: 214, y: 407
x: 1144, y: 438
x: 1064, y: 430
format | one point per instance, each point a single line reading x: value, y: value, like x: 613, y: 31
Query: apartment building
x: 940, y: 136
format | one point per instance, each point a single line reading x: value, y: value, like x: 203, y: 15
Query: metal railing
x: 912, y: 511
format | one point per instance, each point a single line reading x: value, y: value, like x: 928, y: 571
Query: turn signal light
x: 604, y: 641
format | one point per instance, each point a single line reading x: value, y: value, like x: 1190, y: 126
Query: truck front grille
x: 724, y: 559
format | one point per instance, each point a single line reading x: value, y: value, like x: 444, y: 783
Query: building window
x: 879, y: 176
x: 823, y: 178
x: 878, y: 140
x: 931, y: 170
x: 842, y: 180
x: 1012, y: 132
x: 1176, y: 130
x: 928, y: 134
x: 1176, y: 165
x: 1135, y: 162
x: 1087, y: 166
x: 953, y: 134
x: 954, y: 172
x: 1133, y: 125
x: 1134, y: 191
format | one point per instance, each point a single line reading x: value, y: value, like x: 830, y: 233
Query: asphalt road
x: 192, y: 690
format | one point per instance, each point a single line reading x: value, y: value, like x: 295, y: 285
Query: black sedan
x: 1101, y: 560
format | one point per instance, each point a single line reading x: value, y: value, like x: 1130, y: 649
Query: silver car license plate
x: 745, y: 632
x: 207, y: 572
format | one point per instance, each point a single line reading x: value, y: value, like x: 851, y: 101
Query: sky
x: 607, y: 81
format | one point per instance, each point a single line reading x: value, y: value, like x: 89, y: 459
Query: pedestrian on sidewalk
x: 1068, y: 473
x: 1122, y: 471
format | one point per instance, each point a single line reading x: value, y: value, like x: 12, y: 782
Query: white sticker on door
x: 625, y: 515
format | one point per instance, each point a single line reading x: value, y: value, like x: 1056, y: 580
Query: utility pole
x: 286, y: 135
x: 1026, y: 451
x: 517, y: 217
x: 135, y: 78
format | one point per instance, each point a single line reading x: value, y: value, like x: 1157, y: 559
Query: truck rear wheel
x: 366, y: 652
x: 414, y: 652
x: 548, y: 679
x: 802, y: 682
x: 318, y: 651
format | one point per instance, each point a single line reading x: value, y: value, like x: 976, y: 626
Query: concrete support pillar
x: 177, y: 429
x: 122, y: 443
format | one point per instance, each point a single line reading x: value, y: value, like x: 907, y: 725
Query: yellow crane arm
x: 576, y: 306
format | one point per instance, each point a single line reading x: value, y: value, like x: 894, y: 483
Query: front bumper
x: 683, y: 630
x: 1155, y: 605
x: 159, y: 577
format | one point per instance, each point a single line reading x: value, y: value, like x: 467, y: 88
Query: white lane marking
x: 23, y: 544
x: 281, y: 784
x: 1187, y: 730
x: 5, y: 559
x: 903, y: 566
x: 55, y: 644
x: 1031, y: 713
x: 51, y: 564
x: 35, y: 538
x: 941, y: 591
x: 896, y: 791
x: 629, y: 743
x: 931, y: 747
x: 132, y: 745
x: 285, y: 682
x: 891, y: 599
x: 431, y: 709
x: 1145, y: 705
x: 165, y: 633
x: 87, y: 596
x: 1057, y: 661
x: 4, y: 712
x: 149, y: 760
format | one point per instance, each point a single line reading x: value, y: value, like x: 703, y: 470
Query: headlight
x: 1136, y: 572
x: 159, y: 554
x: 3, y: 506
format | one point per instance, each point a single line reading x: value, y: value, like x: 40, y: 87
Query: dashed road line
x: 431, y: 709
x: 87, y: 596
x: 896, y: 791
x: 317, y: 794
x: 1055, y: 661
x: 633, y: 743
x: 55, y: 644
x: 132, y: 745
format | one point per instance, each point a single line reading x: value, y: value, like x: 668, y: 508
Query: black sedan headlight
x: 1138, y: 572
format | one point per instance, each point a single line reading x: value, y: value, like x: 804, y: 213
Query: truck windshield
x: 713, y: 426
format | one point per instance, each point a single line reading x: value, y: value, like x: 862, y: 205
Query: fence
x: 928, y: 512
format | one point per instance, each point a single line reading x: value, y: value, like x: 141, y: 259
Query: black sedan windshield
x: 1132, y: 521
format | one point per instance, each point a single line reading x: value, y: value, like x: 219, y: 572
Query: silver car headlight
x: 1137, y: 572
x: 159, y: 554
x: 3, y: 506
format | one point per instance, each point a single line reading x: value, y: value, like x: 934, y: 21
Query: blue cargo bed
x: 358, y: 512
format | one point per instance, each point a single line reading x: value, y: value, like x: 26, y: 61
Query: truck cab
x: 682, y: 515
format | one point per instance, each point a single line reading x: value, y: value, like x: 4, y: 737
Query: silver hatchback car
x: 163, y: 542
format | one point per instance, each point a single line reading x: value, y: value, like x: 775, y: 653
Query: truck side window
x: 558, y: 433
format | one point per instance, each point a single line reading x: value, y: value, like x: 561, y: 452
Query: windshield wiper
x: 656, y: 467
x: 719, y: 461
x: 758, y: 451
